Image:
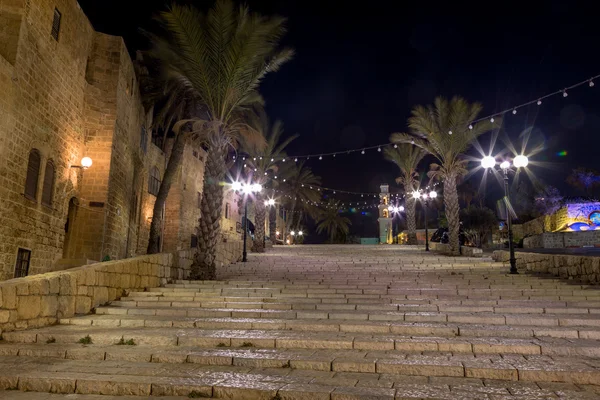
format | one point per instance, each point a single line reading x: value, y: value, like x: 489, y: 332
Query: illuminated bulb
x: 470, y: 126
x: 254, y: 158
x: 334, y: 156
x: 257, y: 187
x: 271, y: 202
x: 505, y: 165
x: 521, y: 161
x: 514, y: 111
x: 236, y: 186
x: 449, y: 132
x: 433, y: 194
x: 266, y: 203
x: 254, y: 169
x: 488, y: 162
x: 320, y: 157
x: 362, y: 152
x: 295, y: 160
x: 300, y: 233
x: 401, y: 208
x: 565, y: 94
x: 395, y: 146
x: 539, y: 102
x: 260, y: 158
x: 265, y: 173
x: 86, y: 162
x: 412, y: 142
x: 283, y: 160
x: 245, y: 165
x: 275, y: 177
x: 379, y: 149
x: 415, y: 195
x: 492, y: 119
x: 591, y: 83
x: 234, y: 157
x: 272, y: 159
x: 390, y: 208
x: 243, y: 158
x: 284, y: 180
x: 277, y: 233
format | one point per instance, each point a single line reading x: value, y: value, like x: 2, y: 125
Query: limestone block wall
x: 228, y: 253
x: 560, y: 240
x: 42, y: 300
x: 585, y: 269
x: 464, y: 250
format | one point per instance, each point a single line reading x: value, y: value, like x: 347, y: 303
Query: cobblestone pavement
x: 325, y: 322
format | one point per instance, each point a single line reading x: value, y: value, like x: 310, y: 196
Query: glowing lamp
x: 271, y: 202
x: 505, y: 165
x: 488, y: 162
x: 86, y: 162
x: 236, y: 186
x: 266, y: 203
x: 401, y: 208
x: 433, y: 194
x: 300, y: 233
x: 521, y: 161
x: 390, y: 208
x: 277, y: 233
x: 247, y: 189
x: 415, y: 195
x: 293, y: 233
x: 257, y: 187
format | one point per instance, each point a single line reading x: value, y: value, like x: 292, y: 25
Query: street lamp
x: 268, y: 203
x: 246, y: 189
x: 425, y: 197
x: 519, y: 161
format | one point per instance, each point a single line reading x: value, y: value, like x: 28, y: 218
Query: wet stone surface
x: 324, y: 322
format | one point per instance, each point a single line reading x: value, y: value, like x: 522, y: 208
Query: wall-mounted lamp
x: 86, y: 162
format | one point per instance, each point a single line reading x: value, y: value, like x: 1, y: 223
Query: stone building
x: 69, y: 92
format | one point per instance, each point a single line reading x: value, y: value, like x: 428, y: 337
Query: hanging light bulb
x: 395, y: 146
x: 565, y: 94
x: 379, y: 149
x: 272, y: 159
x: 514, y: 111
x: 260, y: 158
x: 265, y: 173
x: 320, y: 157
x: 244, y: 165
x: 591, y: 83
x: 295, y: 160
x: 333, y: 155
x: 254, y: 169
x: 449, y: 132
x: 470, y: 126
x: 539, y: 102
x: 412, y: 142
x: 234, y: 157
x: 492, y: 119
x: 284, y: 180
x: 254, y: 158
x: 283, y: 160
x: 243, y: 158
x: 362, y: 152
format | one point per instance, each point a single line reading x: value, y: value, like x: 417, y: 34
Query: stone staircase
x: 326, y: 322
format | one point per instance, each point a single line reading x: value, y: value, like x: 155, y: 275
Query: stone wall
x: 464, y: 250
x: 42, y: 300
x: 561, y: 240
x: 228, y: 253
x: 585, y: 269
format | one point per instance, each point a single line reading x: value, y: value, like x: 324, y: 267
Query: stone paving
x: 325, y: 322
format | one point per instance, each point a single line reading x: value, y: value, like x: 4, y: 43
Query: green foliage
x: 331, y: 221
x: 478, y: 222
x: 221, y: 345
x: 407, y: 157
x: 247, y: 344
x: 300, y: 197
x: 124, y: 342
x: 86, y: 340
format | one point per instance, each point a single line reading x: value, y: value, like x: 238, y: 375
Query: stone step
x: 285, y: 339
x: 18, y: 395
x: 260, y: 320
x: 426, y: 381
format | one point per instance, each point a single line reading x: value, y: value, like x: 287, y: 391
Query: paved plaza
x: 324, y: 322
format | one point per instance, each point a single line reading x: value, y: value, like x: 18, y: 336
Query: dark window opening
x: 89, y: 71
x: 199, y: 199
x: 56, y: 24
x: 22, y: 265
x: 227, y: 210
x: 48, y: 188
x: 194, y: 242
x: 154, y: 181
x: 33, y: 174
x: 195, y: 153
x: 158, y: 138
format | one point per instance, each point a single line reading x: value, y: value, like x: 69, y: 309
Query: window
x: 227, y: 210
x: 56, y: 24
x: 48, y: 188
x: 33, y: 174
x: 194, y: 242
x: 199, y: 199
x: 154, y: 181
x: 22, y: 265
x: 144, y: 140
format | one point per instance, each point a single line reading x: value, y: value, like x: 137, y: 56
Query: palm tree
x: 264, y: 169
x: 407, y: 157
x: 301, y: 191
x: 220, y: 58
x: 446, y: 130
x: 331, y: 221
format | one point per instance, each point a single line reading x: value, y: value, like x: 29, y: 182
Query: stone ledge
x: 464, y: 250
x: 583, y: 268
x: 42, y: 300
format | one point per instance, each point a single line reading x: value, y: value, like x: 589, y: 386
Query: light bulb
x: 412, y: 142
x: 539, y: 102
x: 275, y: 177
x: 565, y: 94
x: 245, y: 165
x: 521, y: 161
x: 236, y: 186
x: 492, y: 119
x: 591, y: 83
x: 505, y: 165
x: 320, y: 157
x: 243, y: 158
x: 254, y: 158
x: 395, y: 146
x: 449, y: 132
x: 265, y: 173
x: 295, y: 160
x: 415, y: 194
x: 272, y: 159
x: 86, y: 162
x: 514, y: 111
x: 401, y: 208
x: 362, y: 152
x: 488, y: 162
x: 283, y: 160
x: 379, y: 149
x: 433, y: 194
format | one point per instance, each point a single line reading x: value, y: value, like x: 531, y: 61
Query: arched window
x: 48, y: 188
x: 154, y: 181
x: 33, y: 174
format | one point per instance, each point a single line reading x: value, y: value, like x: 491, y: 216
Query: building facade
x: 69, y: 92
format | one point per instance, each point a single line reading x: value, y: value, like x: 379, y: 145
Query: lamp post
x: 519, y: 161
x: 395, y: 210
x: 425, y: 197
x: 268, y: 203
x: 293, y: 233
x: 246, y: 189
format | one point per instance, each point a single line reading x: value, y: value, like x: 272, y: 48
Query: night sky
x: 361, y: 66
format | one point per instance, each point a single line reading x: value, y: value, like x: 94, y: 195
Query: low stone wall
x: 41, y: 300
x: 227, y: 253
x: 586, y: 269
x: 560, y: 240
x: 464, y: 250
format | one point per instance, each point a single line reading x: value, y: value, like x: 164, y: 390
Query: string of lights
x: 491, y: 117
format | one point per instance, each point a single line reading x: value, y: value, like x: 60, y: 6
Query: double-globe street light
x: 519, y: 161
x: 425, y: 197
x: 294, y: 233
x: 268, y: 203
x: 246, y: 189
x: 394, y: 210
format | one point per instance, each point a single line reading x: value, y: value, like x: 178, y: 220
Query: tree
x: 301, y: 190
x: 407, y: 157
x: 220, y: 59
x: 445, y: 130
x: 547, y: 201
x: 264, y: 168
x: 584, y: 179
x: 331, y: 221
x: 478, y: 222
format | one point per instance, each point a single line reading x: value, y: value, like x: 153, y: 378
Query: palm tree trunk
x: 411, y: 222
x: 273, y: 224
x: 259, y: 224
x: 452, y: 213
x: 290, y: 221
x: 204, y: 265
x: 157, y: 216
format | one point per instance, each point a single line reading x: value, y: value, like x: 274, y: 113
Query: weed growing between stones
x: 86, y: 340
x: 51, y: 340
x: 276, y: 397
x: 197, y: 395
x: 124, y: 342
x: 247, y: 344
x: 221, y: 345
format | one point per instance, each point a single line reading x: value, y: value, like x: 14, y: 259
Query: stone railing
x: 41, y: 300
x: 464, y: 250
x: 586, y: 269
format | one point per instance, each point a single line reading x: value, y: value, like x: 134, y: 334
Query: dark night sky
x: 361, y: 66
